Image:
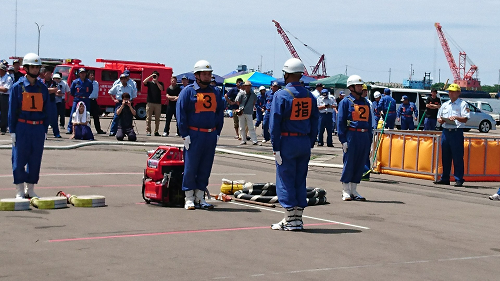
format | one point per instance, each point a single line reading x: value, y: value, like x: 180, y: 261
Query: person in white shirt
x: 326, y: 106
x: 5, y: 84
x: 453, y: 115
x: 62, y: 90
x: 317, y: 92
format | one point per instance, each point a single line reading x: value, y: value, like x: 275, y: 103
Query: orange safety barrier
x: 417, y: 154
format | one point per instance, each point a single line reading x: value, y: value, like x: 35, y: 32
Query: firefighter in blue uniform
x: 293, y: 125
x: 375, y: 103
x: 387, y: 106
x: 405, y: 113
x: 80, y: 89
x: 200, y: 116
x: 261, y: 101
x: 453, y: 115
x: 267, y: 111
x: 28, y: 122
x: 355, y: 133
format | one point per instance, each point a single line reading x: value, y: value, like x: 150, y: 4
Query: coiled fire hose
x: 84, y: 200
x: 12, y: 204
x: 266, y: 193
x: 49, y: 202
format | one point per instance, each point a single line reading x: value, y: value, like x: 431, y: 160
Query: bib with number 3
x: 360, y: 113
x: 32, y: 102
x: 205, y: 102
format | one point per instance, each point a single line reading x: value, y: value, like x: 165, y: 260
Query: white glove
x: 277, y: 157
x: 187, y: 141
x: 344, y: 147
x: 13, y: 137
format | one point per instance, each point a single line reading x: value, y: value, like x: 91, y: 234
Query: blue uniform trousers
x: 452, y: 148
x: 116, y: 117
x: 53, y: 119
x: 377, y: 118
x: 430, y: 124
x: 265, y: 126
x: 73, y: 108
x: 358, y: 151
x: 325, y: 122
x: 292, y: 173
x: 390, y: 121
x: 258, y: 117
x: 407, y: 123
x: 198, y: 160
x: 27, y: 153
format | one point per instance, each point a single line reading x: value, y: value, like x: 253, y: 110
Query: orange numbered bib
x: 301, y: 109
x: 361, y: 113
x: 32, y: 102
x: 205, y: 102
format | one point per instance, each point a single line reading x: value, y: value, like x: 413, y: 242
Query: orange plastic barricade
x: 417, y: 154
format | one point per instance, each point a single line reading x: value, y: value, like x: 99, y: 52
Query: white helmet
x: 293, y: 65
x: 262, y: 88
x: 377, y: 94
x: 202, y: 65
x: 354, y: 80
x: 31, y: 59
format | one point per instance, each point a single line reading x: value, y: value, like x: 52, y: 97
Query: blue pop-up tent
x: 257, y: 79
x: 190, y: 75
x: 304, y: 78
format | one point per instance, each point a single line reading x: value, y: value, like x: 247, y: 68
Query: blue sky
x: 368, y: 36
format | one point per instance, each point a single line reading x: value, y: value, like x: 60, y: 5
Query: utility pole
x: 15, y: 33
x: 39, y: 29
x: 346, y: 70
x: 389, y: 75
x: 498, y: 85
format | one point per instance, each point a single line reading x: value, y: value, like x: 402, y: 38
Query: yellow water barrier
x: 417, y: 154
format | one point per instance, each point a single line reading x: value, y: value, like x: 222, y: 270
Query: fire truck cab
x: 108, y: 74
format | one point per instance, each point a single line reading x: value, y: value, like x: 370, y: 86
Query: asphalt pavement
x: 408, y: 229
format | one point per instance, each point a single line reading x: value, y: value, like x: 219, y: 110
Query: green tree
x: 437, y: 86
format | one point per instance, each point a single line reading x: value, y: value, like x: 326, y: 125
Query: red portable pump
x: 162, y: 180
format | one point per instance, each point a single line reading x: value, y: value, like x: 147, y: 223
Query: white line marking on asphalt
x: 365, y: 266
x: 309, y: 217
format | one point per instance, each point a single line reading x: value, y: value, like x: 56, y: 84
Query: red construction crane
x: 462, y: 78
x: 293, y: 52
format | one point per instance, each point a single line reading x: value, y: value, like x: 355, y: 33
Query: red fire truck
x: 108, y: 74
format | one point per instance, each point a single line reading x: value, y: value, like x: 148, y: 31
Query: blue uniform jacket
x: 407, y: 110
x: 362, y: 119
x: 200, y: 108
x: 383, y: 104
x: 269, y: 100
x: 34, y: 112
x: 81, y: 89
x: 284, y: 108
x: 375, y: 108
x: 261, y: 101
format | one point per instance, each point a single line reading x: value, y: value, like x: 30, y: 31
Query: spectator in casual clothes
x: 246, y: 99
x: 126, y: 113
x: 17, y: 66
x: 116, y: 93
x: 94, y: 109
x: 52, y: 87
x: 173, y: 92
x: 153, y: 105
x: 5, y: 84
x: 81, y: 120
x: 230, y: 98
x: 62, y: 91
x: 10, y: 71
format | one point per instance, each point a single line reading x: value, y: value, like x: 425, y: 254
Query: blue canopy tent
x: 306, y: 79
x: 257, y: 79
x: 190, y: 76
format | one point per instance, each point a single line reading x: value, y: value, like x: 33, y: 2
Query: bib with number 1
x: 32, y: 102
x: 205, y: 102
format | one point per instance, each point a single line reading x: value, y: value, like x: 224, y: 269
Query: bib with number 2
x: 360, y: 113
x: 205, y: 102
x: 32, y: 102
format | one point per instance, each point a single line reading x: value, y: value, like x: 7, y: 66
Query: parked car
x: 478, y: 120
x: 486, y: 108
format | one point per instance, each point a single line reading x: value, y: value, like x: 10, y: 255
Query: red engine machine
x: 162, y: 180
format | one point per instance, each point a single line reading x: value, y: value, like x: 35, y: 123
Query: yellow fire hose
x: 12, y: 204
x: 55, y: 202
